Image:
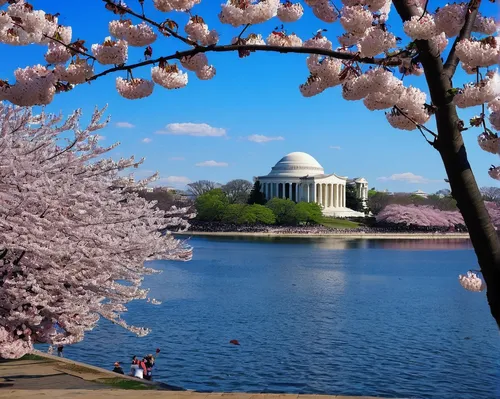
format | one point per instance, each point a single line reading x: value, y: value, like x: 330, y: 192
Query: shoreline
x: 357, y: 236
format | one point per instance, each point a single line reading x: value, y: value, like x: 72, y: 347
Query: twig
x: 419, y: 126
x: 244, y: 29
x: 425, y: 9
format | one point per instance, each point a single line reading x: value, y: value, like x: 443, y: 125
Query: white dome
x: 297, y: 164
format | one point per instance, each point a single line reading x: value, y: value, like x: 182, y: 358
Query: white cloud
x: 125, y: 125
x: 193, y: 129
x: 147, y: 140
x: 212, y: 164
x: 407, y: 177
x: 260, y: 138
x: 99, y: 137
x: 177, y: 159
x: 335, y: 147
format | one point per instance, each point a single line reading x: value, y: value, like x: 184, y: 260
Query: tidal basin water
x: 323, y: 316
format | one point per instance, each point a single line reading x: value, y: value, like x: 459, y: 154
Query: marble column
x: 297, y: 198
x: 319, y: 193
x: 332, y: 196
x: 343, y: 195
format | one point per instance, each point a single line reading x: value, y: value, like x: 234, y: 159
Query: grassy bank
x: 334, y: 223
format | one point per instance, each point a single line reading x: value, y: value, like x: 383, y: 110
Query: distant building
x: 420, y: 193
x: 299, y: 177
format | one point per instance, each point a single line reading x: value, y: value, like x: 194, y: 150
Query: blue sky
x: 257, y: 95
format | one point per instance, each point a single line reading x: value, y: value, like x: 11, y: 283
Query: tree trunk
x: 464, y: 188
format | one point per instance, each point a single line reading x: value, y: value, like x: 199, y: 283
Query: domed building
x: 299, y: 177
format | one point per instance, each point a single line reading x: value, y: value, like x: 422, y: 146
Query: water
x: 326, y: 316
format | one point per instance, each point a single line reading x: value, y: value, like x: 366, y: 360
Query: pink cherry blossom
x: 75, y: 250
x: 169, y: 76
x: 290, y: 12
x: 111, y: 52
x: 471, y: 282
x: 134, y: 89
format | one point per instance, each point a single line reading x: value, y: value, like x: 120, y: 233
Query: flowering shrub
x: 73, y: 237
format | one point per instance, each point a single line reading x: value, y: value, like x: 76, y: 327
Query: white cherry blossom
x: 111, y: 52
x: 134, y: 89
x: 290, y: 12
x: 169, y: 76
x: 356, y: 19
x: 471, y: 282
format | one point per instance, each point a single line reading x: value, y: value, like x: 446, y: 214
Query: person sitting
x: 135, y: 369
x: 118, y: 368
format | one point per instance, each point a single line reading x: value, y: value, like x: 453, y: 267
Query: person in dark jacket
x: 118, y: 368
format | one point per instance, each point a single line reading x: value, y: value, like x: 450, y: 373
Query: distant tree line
x: 218, y: 205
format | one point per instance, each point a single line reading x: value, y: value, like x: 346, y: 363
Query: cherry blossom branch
x: 162, y: 27
x: 386, y: 61
x: 69, y: 147
x: 68, y: 46
x: 451, y: 63
x: 419, y: 126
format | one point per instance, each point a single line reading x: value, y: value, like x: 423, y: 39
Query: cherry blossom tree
x: 365, y: 63
x: 419, y: 216
x: 73, y: 236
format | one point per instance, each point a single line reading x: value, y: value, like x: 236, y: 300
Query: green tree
x: 284, y: 210
x: 308, y: 213
x: 256, y: 195
x: 211, y: 205
x: 233, y: 212
x: 351, y: 199
x: 263, y: 214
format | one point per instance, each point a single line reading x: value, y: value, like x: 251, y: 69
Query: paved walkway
x: 55, y: 378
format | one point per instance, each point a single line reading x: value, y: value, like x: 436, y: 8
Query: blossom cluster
x: 198, y: 31
x: 140, y: 35
x: 75, y: 250
x: 134, y: 88
x: 198, y: 63
x: 471, y: 282
x: 169, y: 76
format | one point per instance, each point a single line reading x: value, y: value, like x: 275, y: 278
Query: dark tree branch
x: 386, y: 61
x: 3, y: 253
x: 451, y: 63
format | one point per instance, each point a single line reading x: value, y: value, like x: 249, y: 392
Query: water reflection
x: 334, y: 243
